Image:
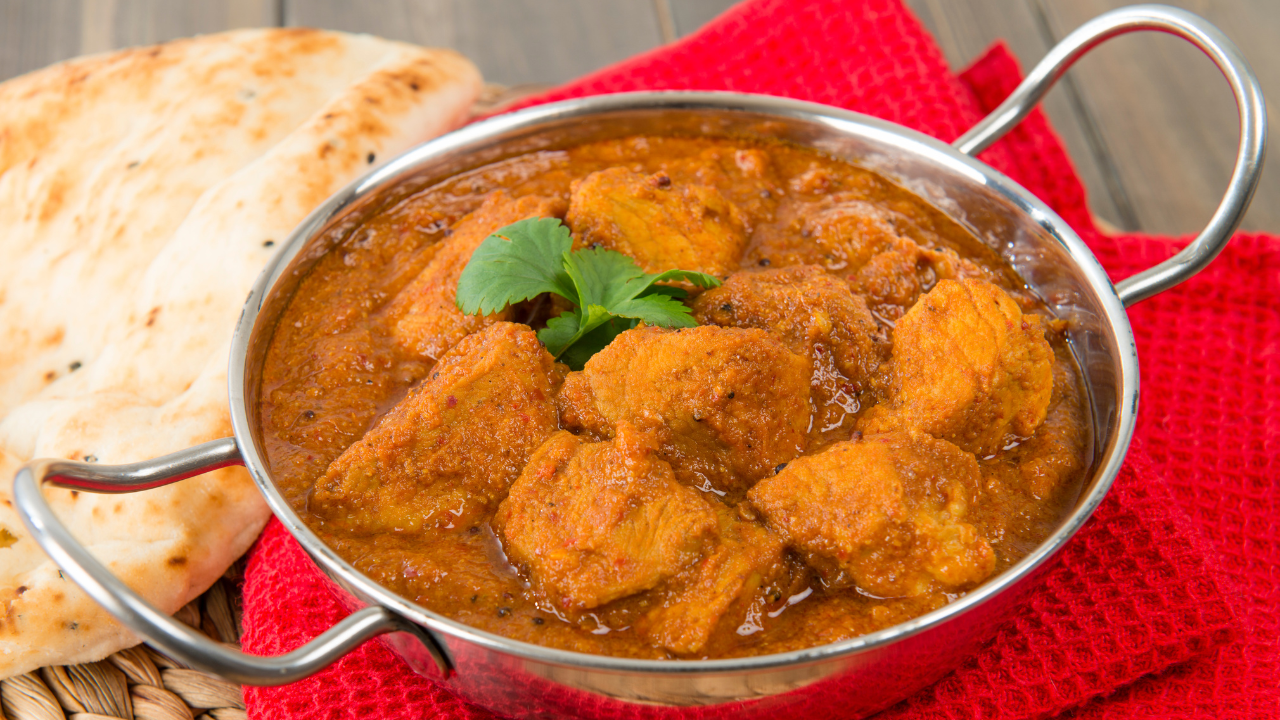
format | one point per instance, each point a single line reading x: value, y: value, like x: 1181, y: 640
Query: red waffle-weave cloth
x: 1140, y: 589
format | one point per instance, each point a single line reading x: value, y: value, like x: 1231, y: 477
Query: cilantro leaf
x: 601, y: 276
x: 560, y: 332
x: 563, y: 331
x: 577, y: 354
x: 668, y: 290
x: 609, y: 278
x: 518, y: 262
x: 611, y: 293
x: 657, y: 309
x: 702, y: 280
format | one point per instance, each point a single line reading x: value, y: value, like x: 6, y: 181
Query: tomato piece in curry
x: 874, y: 417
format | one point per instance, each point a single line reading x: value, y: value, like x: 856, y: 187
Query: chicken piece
x: 424, y: 317
x: 865, y: 242
x: 967, y: 367
x: 726, y: 405
x: 903, y: 270
x: 813, y: 312
x: 590, y: 523
x: 744, y: 175
x: 661, y: 225
x: 748, y: 559
x: 883, y: 513
x: 836, y: 232
x: 446, y: 454
x: 817, y: 316
x: 593, y: 522
x: 577, y: 408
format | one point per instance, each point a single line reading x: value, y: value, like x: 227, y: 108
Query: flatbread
x: 141, y: 192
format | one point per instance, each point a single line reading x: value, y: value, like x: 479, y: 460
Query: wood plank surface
x: 143, y: 22
x: 514, y: 42
x: 689, y: 15
x: 1166, y: 115
x: 1147, y: 119
x: 35, y: 34
x: 964, y: 30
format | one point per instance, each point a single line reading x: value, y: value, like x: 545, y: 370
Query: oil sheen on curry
x: 873, y: 417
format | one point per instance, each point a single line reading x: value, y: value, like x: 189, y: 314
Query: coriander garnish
x: 610, y: 293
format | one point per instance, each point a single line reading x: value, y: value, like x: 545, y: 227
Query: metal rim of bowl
x: 1110, y: 455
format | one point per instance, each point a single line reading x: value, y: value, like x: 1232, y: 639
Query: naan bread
x: 141, y: 192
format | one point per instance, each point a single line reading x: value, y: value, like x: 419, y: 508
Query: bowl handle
x: 1253, y: 126
x: 137, y: 614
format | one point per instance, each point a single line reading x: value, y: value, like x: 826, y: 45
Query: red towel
x: 1165, y: 604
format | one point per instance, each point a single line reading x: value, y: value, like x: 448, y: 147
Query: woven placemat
x: 140, y: 683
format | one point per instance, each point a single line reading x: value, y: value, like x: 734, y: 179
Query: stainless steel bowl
x: 852, y: 677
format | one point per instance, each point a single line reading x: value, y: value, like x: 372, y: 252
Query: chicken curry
x: 873, y: 416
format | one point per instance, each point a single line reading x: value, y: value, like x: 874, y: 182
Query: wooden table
x: 1147, y: 119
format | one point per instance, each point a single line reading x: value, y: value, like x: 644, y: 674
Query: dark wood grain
x: 513, y: 42
x: 689, y: 15
x: 35, y: 34
x: 143, y: 22
x: 964, y: 30
x: 1165, y: 114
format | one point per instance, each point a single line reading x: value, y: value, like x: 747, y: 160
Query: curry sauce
x: 805, y: 470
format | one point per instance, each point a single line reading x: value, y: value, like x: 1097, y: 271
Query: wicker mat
x: 140, y: 683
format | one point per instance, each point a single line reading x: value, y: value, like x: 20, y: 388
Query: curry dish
x: 873, y: 417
